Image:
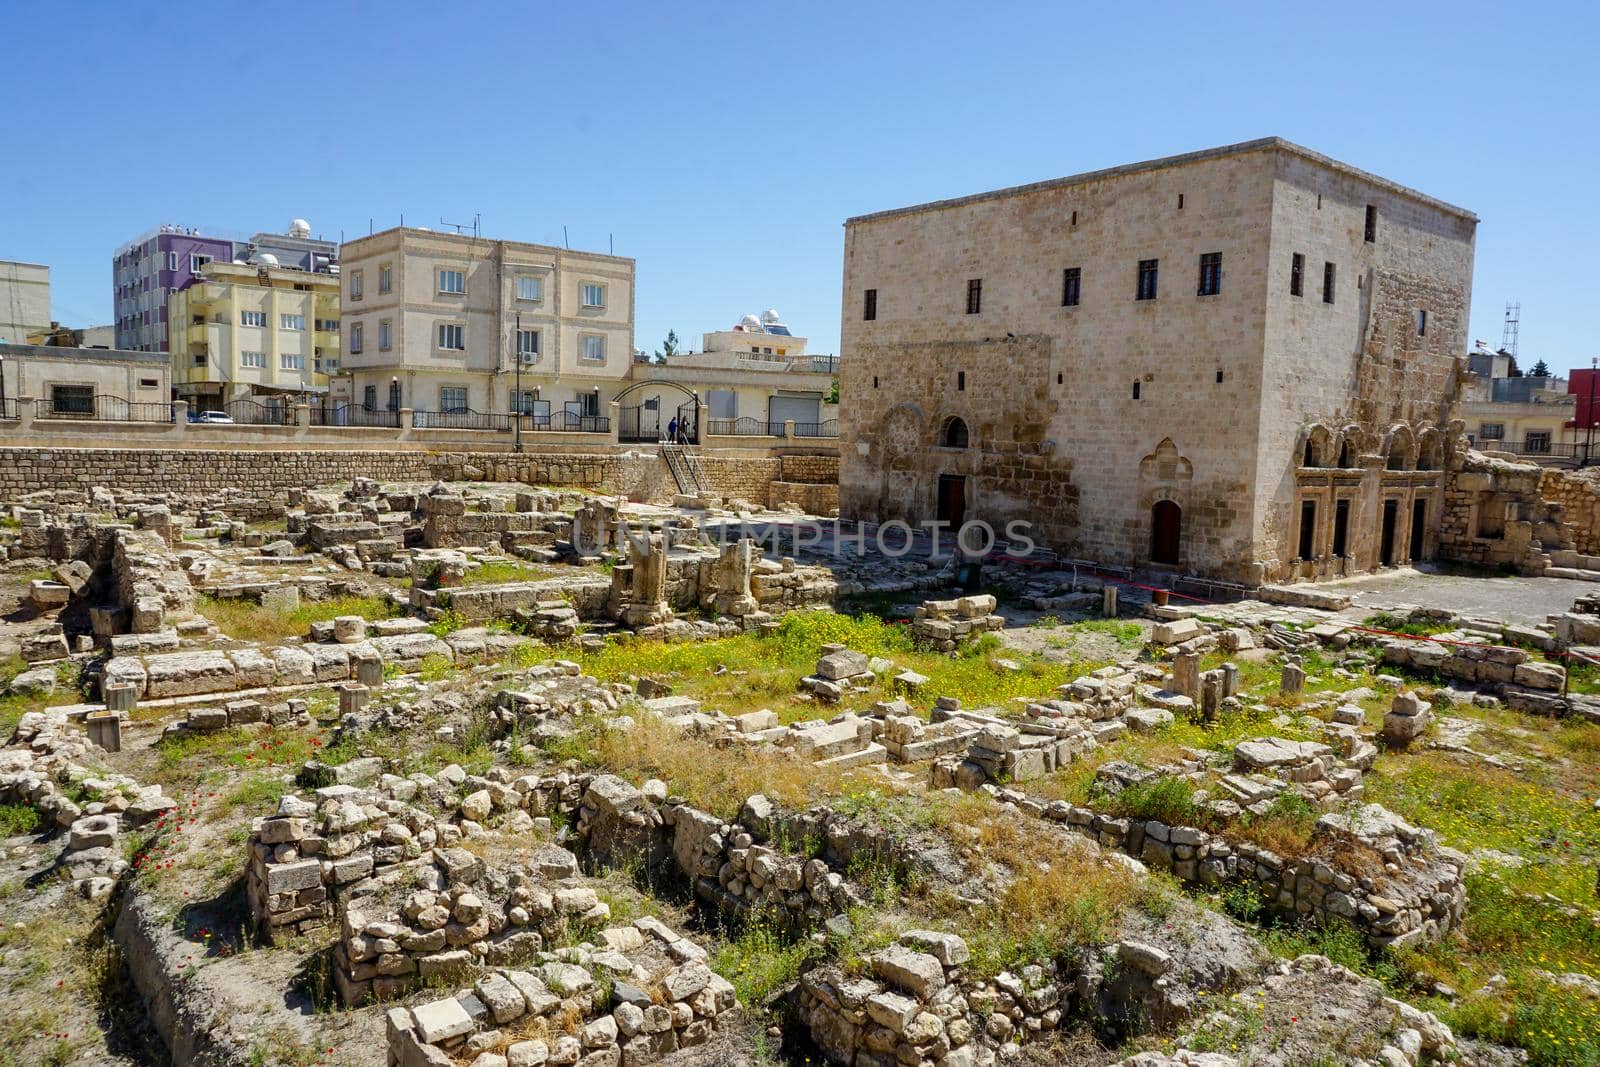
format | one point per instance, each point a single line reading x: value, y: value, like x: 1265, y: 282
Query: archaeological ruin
x: 493, y: 772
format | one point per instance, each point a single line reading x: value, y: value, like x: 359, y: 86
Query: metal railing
x: 460, y: 419
x: 103, y: 408
x: 1534, y: 446
x: 744, y: 427
x: 251, y: 413
x: 9, y: 409
x: 354, y: 415
x: 567, y: 422
x: 830, y: 428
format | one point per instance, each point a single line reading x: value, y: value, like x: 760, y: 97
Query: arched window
x: 1346, y: 454
x: 1399, y: 452
x: 1310, y: 457
x: 1429, y: 452
x: 953, y: 434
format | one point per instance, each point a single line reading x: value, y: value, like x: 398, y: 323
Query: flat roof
x: 114, y: 355
x: 467, y: 238
x: 1259, y: 145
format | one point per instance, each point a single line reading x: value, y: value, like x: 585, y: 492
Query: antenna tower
x: 1508, y: 337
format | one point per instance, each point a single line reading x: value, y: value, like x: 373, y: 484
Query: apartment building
x: 1240, y: 362
x: 258, y: 332
x: 750, y: 379
x: 24, y: 300
x: 149, y: 269
x: 439, y: 322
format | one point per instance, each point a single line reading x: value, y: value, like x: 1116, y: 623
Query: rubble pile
x: 946, y: 625
x: 634, y: 995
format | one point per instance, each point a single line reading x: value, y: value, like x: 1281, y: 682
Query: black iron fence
x: 830, y: 428
x: 252, y: 413
x: 460, y: 419
x: 102, y: 408
x: 354, y: 415
x: 1535, y: 446
x: 743, y: 427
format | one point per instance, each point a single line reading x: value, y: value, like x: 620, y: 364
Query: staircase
x: 686, y: 470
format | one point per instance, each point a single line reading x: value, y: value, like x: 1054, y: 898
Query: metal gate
x: 638, y: 424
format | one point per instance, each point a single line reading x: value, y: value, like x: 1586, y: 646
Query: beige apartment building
x: 1241, y: 362
x: 431, y: 323
x: 253, y: 332
x: 754, y: 379
x: 24, y: 300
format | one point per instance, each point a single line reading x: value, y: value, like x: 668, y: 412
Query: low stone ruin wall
x: 919, y: 1003
x: 1496, y: 515
x: 1579, y: 500
x: 1413, y: 891
x: 1511, y: 669
x: 41, y: 758
x: 646, y: 994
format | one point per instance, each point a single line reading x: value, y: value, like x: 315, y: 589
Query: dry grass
x: 714, y: 779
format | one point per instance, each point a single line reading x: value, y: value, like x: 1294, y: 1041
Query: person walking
x: 672, y: 431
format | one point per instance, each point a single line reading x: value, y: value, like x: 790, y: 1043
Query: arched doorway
x: 954, y: 433
x: 1166, y: 532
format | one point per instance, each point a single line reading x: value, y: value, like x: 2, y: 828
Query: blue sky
x: 722, y: 146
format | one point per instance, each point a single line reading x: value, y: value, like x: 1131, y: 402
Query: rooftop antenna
x: 564, y: 239
x: 1508, y: 337
x: 611, y: 241
x: 459, y: 226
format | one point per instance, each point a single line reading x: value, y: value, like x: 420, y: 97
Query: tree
x: 1540, y: 370
x: 833, y: 391
x: 669, y: 347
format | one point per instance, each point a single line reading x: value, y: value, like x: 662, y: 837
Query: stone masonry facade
x: 1135, y: 361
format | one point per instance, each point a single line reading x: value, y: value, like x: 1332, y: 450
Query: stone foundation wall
x: 637, y: 475
x: 813, y: 499
x: 1423, y: 901
x: 1498, y: 515
x: 1579, y: 499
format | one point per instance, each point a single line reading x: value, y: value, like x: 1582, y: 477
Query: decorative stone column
x: 734, y: 568
x: 647, y: 603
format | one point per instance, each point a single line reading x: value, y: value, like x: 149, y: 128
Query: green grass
x: 16, y: 819
x: 247, y: 620
x: 1128, y: 635
x: 502, y: 573
x: 1402, y: 624
x: 748, y: 672
x: 760, y: 961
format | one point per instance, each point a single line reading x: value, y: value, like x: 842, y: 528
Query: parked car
x: 211, y: 416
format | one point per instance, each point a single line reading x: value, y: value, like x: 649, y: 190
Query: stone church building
x: 1240, y: 362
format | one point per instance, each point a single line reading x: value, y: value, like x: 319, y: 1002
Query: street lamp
x: 1594, y: 372
x: 516, y: 407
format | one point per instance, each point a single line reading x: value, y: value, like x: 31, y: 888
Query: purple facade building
x: 149, y: 269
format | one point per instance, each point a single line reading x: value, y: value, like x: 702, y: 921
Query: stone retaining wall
x: 1414, y: 890
x: 1579, y: 499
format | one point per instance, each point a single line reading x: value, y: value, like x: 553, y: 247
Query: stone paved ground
x: 1518, y: 599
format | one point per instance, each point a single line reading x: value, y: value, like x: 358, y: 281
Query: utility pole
x: 516, y: 406
x: 1588, y: 438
